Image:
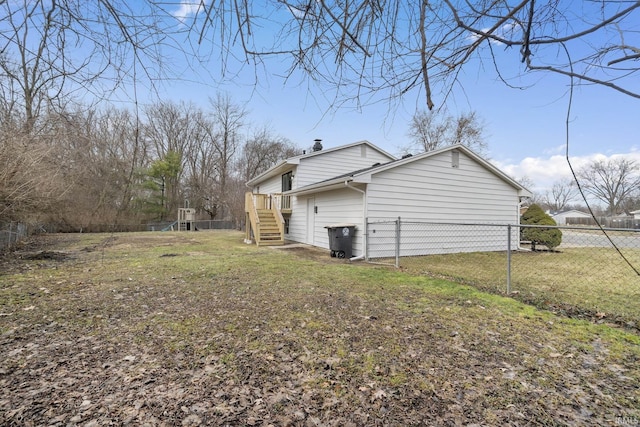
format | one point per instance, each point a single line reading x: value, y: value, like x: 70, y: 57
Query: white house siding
x: 338, y: 206
x: 335, y: 163
x: 431, y: 190
x: 271, y: 185
x: 298, y: 219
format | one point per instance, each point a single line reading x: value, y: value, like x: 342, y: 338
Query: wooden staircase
x: 265, y: 225
x: 270, y: 233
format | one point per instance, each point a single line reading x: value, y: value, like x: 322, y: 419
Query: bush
x: 549, y: 237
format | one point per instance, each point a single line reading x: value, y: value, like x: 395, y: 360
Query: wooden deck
x: 264, y: 220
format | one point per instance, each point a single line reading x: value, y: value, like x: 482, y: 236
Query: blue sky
x: 525, y: 128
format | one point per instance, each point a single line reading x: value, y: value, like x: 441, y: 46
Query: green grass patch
x: 580, y: 281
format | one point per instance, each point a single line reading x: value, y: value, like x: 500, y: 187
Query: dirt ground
x: 93, y: 336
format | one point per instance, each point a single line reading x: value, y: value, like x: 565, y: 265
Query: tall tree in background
x: 261, y: 151
x: 161, y: 174
x: 122, y: 154
x: 25, y: 195
x: 611, y: 181
x: 430, y: 130
x: 52, y: 50
x: 49, y: 52
x: 200, y: 174
x: 171, y: 128
x: 228, y: 120
x: 49, y: 49
x: 561, y: 194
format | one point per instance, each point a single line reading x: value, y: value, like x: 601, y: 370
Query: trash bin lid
x: 340, y: 225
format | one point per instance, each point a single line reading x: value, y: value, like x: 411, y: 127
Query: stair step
x: 269, y: 227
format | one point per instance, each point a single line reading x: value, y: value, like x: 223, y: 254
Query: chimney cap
x: 318, y: 144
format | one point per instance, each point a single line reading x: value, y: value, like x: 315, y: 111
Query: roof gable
x: 290, y: 162
x: 365, y: 175
x: 410, y: 159
x: 338, y: 148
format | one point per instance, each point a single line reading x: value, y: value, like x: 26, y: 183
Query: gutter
x: 364, y: 220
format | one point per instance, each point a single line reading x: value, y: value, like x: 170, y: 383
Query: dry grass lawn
x: 199, y: 329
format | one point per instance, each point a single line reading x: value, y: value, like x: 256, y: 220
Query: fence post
x: 508, y: 259
x: 398, y: 243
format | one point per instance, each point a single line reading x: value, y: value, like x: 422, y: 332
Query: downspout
x: 364, y: 222
x: 523, y: 200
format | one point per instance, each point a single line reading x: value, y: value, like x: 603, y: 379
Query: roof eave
x: 278, y: 169
x: 522, y: 191
x: 319, y: 188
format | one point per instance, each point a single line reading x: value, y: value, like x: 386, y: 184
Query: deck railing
x: 277, y: 201
x: 253, y: 221
x: 283, y: 202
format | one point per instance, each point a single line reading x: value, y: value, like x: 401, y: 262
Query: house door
x: 311, y: 220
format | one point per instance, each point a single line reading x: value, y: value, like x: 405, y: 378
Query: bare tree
x: 561, y: 194
x: 261, y: 151
x: 631, y: 203
x: 24, y: 193
x: 528, y: 183
x: 122, y: 153
x: 430, y: 130
x: 363, y: 48
x: 360, y: 48
x: 201, y: 174
x: 172, y: 128
x: 227, y: 119
x: 103, y: 157
x: 610, y: 181
x: 49, y: 49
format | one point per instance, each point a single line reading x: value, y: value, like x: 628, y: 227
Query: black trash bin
x: 341, y: 239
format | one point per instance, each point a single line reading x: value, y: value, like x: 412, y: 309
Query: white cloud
x: 188, y: 8
x: 544, y: 171
x: 507, y: 31
x: 510, y: 30
x: 558, y: 149
x: 475, y: 36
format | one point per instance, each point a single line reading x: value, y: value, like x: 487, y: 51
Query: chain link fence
x: 592, y: 272
x: 11, y: 233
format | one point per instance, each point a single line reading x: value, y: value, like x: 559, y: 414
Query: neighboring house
x: 636, y: 214
x: 356, y: 183
x: 566, y: 217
